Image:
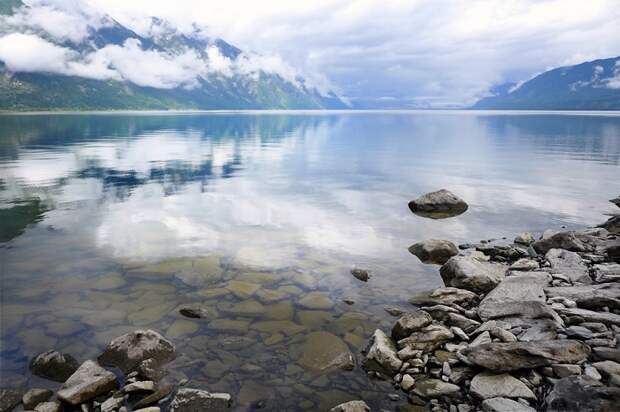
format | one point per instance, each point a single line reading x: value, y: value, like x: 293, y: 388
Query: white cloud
x: 30, y: 53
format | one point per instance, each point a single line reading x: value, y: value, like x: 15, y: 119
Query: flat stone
x: 589, y: 296
x: 316, y: 300
x: 505, y: 357
x: 607, y: 272
x: 435, y: 388
x: 446, y: 296
x: 35, y: 396
x: 112, y: 403
x: 154, y: 397
x: 381, y: 355
x: 438, y: 205
x: 578, y: 332
x: 434, y: 251
x: 427, y: 339
x: 505, y: 405
x: 351, y: 406
x: 569, y: 264
x: 195, y: 400
x: 50, y: 407
x: 241, y: 289
x: 607, y: 368
x: 324, y: 350
x: 409, y: 323
x: 581, y: 393
x: 10, y: 398
x: 487, y: 385
x: 140, y: 386
x: 53, y: 365
x: 472, y: 274
x: 592, y: 316
x: 563, y: 370
x: 524, y: 265
x: 89, y: 381
x: 603, y: 353
x: 127, y: 351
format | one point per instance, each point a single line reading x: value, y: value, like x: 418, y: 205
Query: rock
x: 472, y: 274
x: 89, y: 381
x: 505, y: 357
x: 127, y: 351
x: 154, y: 397
x: 446, y: 296
x: 562, y: 370
x: 361, y: 274
x: 149, y: 369
x: 615, y: 201
x: 524, y: 265
x: 112, y: 403
x: 427, y: 339
x: 35, y: 396
x: 435, y: 388
x: 602, y: 353
x: 487, y: 385
x: 140, y: 386
x: 578, y: 332
x: 612, y: 224
x: 590, y: 296
x: 607, y: 272
x: 591, y: 372
x: 195, y: 400
x: 381, y: 355
x: 316, y: 300
x: 323, y: 350
x: 53, y: 365
x: 524, y: 238
x: 193, y: 311
x: 607, y: 368
x: 562, y: 240
x: 407, y: 382
x: 459, y: 333
x: 409, y: 323
x: 438, y: 205
x: 50, y: 407
x: 434, y: 251
x: 592, y: 316
x: 580, y: 393
x: 505, y: 405
x: 569, y: 264
x: 10, y: 398
x: 148, y: 409
x: 484, y: 337
x: 351, y: 406
x: 393, y: 311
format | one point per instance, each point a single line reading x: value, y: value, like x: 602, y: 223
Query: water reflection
x: 110, y: 222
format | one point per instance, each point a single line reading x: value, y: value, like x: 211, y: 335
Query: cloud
x: 30, y: 53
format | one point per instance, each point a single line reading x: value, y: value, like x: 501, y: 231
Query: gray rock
x: 161, y: 393
x: 591, y: 372
x: 563, y: 370
x: 49, y: 407
x: 140, y: 386
x: 580, y: 393
x: 53, y: 365
x: 538, y: 329
x: 524, y: 238
x: 591, y: 316
x: 427, y: 339
x: 351, y: 406
x: 578, y: 332
x: 602, y: 353
x: 438, y: 205
x: 615, y: 201
x: 323, y: 351
x: 563, y: 240
x: 590, y: 296
x: 361, y: 274
x: 505, y: 357
x: 434, y: 251
x: 505, y: 405
x: 89, y: 381
x: 612, y: 224
x: 35, y: 396
x: 148, y: 409
x: 149, y: 369
x: 607, y: 272
x: 569, y: 264
x: 10, y: 398
x: 409, y: 323
x: 524, y: 265
x: 472, y: 274
x: 435, y: 388
x: 487, y: 385
x: 607, y: 367
x: 193, y: 311
x: 447, y: 296
x: 407, y: 382
x: 484, y: 337
x: 195, y: 400
x: 127, y: 351
x: 381, y: 355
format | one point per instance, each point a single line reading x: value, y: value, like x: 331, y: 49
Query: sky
x: 411, y: 53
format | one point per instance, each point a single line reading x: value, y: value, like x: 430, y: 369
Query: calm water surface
x: 109, y: 222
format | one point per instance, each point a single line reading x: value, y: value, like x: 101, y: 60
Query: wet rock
x: 193, y: 311
x: 569, y: 264
x: 127, y: 351
x: 10, y: 398
x: 581, y: 393
x: 589, y: 296
x: 505, y: 405
x: 381, y: 355
x: 53, y: 365
x: 409, y: 323
x: 427, y: 339
x: 434, y: 251
x: 195, y: 400
x: 49, y: 407
x: 524, y: 238
x: 591, y: 316
x: 438, y: 205
x: 446, y: 296
x: 394, y: 311
x: 35, y: 396
x: 89, y: 381
x: 524, y: 265
x: 316, y: 300
x: 472, y: 274
x: 351, y: 406
x: 562, y: 240
x: 505, y: 357
x: 361, y: 274
x: 487, y: 385
x: 435, y: 388
x: 324, y: 350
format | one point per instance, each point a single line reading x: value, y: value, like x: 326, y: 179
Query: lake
x: 111, y: 221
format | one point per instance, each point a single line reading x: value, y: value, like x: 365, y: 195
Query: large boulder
x: 589, y: 296
x: 570, y: 264
x: 381, y: 355
x: 409, y: 323
x: 434, y: 251
x: 127, y: 351
x: 469, y: 273
x: 438, y: 205
x: 89, y: 381
x: 53, y: 365
x: 487, y: 385
x: 505, y: 357
x: 573, y: 241
x: 323, y: 350
x: 582, y: 393
x: 351, y: 406
x: 427, y: 338
x: 196, y: 400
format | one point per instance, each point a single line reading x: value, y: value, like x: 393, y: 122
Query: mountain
x: 592, y: 85
x: 100, y: 64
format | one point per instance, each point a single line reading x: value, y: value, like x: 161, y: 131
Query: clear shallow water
x: 109, y: 222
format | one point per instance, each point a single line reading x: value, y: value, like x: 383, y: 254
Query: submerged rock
x: 361, y: 274
x: 324, y: 350
x: 193, y: 311
x: 351, y: 406
x: 53, y: 365
x: 438, y: 205
x: 505, y: 357
x: 581, y: 393
x: 195, y: 400
x: 434, y: 251
x: 89, y: 381
x: 127, y: 351
x: 472, y: 274
x: 381, y: 355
